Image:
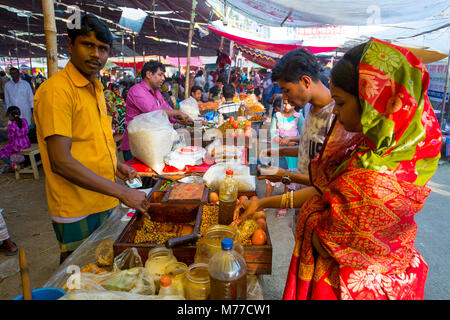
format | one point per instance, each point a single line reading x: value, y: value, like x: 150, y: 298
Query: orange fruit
x: 253, y: 198
x: 259, y: 214
x: 259, y: 237
x: 262, y: 223
x: 213, y: 197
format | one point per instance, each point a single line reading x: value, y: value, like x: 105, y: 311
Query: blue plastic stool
x: 47, y: 293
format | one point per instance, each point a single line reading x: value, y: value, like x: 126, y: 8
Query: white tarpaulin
x: 304, y: 13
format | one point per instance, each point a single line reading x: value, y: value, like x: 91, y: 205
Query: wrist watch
x: 286, y: 180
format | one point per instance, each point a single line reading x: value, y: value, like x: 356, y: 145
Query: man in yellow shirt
x: 76, y: 142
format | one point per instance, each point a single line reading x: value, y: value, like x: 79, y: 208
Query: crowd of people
x: 355, y: 157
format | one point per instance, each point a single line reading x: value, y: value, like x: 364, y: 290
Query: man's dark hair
x: 199, y: 73
x: 90, y: 22
x: 345, y: 74
x: 221, y: 79
x: 295, y: 64
x: 214, y: 91
x: 228, y: 91
x: 13, y: 69
x: 2, y: 73
x: 152, y: 66
x: 195, y: 88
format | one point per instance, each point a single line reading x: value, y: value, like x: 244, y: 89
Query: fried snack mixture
x: 160, y: 232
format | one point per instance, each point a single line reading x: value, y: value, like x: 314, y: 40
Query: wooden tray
x: 258, y: 258
x: 125, y: 240
x: 203, y: 199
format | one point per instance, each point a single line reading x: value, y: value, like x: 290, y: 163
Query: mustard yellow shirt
x: 66, y: 105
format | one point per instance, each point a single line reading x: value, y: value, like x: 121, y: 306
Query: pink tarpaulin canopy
x: 194, y: 62
x: 279, y: 47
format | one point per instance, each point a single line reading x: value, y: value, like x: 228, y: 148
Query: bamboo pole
x: 17, y: 52
x: 444, y: 100
x: 29, y: 53
x: 25, y: 275
x: 50, y: 37
x: 188, y: 60
x: 134, y: 57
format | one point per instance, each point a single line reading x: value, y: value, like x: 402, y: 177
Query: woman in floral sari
x: 355, y: 232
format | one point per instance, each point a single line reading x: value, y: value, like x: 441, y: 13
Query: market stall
x: 122, y: 259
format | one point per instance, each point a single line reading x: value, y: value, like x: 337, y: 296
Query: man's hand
x: 267, y: 153
x: 125, y: 172
x: 273, y: 174
x: 135, y: 199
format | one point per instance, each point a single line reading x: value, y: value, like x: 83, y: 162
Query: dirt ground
x: 26, y: 215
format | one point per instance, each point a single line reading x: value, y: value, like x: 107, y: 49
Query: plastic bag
x: 151, y: 138
x: 127, y: 259
x: 113, y: 295
x: 241, y: 174
x: 134, y: 280
x: 180, y: 159
x: 190, y: 107
x: 104, y: 253
x: 85, y: 281
x: 254, y: 288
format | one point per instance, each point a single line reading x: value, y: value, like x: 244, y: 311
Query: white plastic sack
x: 190, y: 107
x: 151, y: 137
x: 241, y: 174
x: 180, y: 159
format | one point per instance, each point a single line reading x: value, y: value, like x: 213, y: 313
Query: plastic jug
x: 228, y: 274
x: 228, y: 192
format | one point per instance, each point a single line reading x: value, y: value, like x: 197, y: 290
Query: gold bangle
x: 284, y: 200
x: 292, y: 199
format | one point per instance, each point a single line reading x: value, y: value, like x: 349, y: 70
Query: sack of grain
x: 151, y: 138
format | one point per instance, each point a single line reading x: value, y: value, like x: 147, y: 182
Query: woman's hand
x: 285, y: 141
x: 249, y: 207
x: 125, y: 172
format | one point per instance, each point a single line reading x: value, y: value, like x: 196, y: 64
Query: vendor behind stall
x: 229, y: 108
x: 76, y: 142
x: 146, y: 97
x: 196, y: 93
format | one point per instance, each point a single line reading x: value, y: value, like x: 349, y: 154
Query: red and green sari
x: 371, y: 185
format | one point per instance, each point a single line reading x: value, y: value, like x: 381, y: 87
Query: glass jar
x: 211, y: 242
x: 158, y: 259
x: 197, y: 282
x: 177, y: 271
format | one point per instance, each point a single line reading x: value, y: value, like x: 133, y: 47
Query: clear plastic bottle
x: 166, y: 288
x: 228, y: 274
x: 228, y: 192
x: 220, y: 119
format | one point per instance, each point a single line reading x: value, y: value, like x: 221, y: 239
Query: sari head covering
x: 371, y: 185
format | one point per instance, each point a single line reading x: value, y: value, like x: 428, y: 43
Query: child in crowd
x: 17, y: 136
x: 285, y: 123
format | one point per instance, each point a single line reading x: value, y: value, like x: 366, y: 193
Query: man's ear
x: 69, y: 45
x: 305, y: 81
